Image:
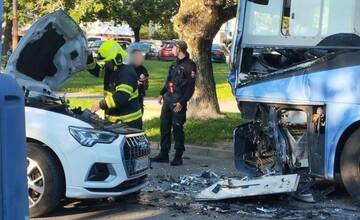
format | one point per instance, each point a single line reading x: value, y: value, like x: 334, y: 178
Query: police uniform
x: 179, y: 87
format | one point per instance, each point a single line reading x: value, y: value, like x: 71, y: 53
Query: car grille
x: 136, y: 147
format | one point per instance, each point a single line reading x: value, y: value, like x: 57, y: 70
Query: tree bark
x: 136, y: 30
x: 15, y: 27
x: 197, y: 23
x: 7, y: 36
x: 205, y: 97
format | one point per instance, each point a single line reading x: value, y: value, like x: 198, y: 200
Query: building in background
x: 108, y: 30
x: 225, y: 33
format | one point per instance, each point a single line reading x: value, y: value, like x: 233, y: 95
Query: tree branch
x: 228, y: 13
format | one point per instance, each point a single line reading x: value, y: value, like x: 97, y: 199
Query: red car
x: 166, y: 51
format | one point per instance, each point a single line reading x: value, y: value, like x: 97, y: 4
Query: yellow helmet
x: 111, y: 50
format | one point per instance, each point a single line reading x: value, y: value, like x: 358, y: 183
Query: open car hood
x: 52, y: 50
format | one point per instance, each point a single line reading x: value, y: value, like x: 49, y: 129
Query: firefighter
x: 178, y: 89
x: 121, y: 96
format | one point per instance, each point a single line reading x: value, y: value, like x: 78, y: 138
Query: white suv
x: 72, y: 153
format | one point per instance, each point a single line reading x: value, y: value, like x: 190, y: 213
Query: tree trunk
x: 7, y: 36
x: 205, y: 97
x: 136, y: 30
x: 15, y: 28
x: 197, y: 24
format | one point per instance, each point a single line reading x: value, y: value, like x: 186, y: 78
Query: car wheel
x: 350, y: 165
x: 45, y: 180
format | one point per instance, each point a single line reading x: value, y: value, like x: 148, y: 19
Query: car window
x: 264, y: 20
x: 216, y: 47
x: 97, y: 43
x: 304, y: 24
x: 139, y: 46
x: 333, y: 17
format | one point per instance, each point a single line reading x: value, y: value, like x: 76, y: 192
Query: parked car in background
x: 143, y: 47
x: 124, y: 44
x: 94, y: 47
x: 166, y: 51
x: 155, y: 47
x: 217, y: 53
x: 91, y: 40
x: 127, y: 39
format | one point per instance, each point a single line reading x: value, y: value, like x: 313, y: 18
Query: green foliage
x: 144, y: 32
x: 30, y: 10
x: 137, y: 13
x: 166, y: 32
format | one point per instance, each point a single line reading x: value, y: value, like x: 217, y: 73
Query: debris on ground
x: 305, y: 197
x: 208, y: 174
x: 187, y: 185
x: 267, y: 210
x: 331, y: 189
x: 237, y: 188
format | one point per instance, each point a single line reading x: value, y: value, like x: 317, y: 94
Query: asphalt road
x: 167, y: 198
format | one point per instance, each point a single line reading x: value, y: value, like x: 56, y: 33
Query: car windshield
x: 168, y: 45
x: 216, y: 47
x: 97, y: 43
x: 139, y: 46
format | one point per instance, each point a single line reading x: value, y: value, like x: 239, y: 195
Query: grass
x: 86, y: 83
x: 199, y: 131
x: 196, y: 131
x: 80, y: 102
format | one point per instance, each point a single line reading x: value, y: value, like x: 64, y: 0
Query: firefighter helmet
x: 111, y: 50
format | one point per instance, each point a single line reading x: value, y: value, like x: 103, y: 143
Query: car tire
x: 48, y: 185
x: 350, y: 165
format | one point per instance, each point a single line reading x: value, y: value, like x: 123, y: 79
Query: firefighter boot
x: 177, y: 161
x: 162, y: 157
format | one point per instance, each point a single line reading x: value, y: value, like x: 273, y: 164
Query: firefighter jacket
x: 121, y: 95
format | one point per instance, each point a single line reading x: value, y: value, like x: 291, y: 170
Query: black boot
x: 177, y: 161
x: 161, y: 158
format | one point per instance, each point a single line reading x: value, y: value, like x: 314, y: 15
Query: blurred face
x: 138, y: 59
x: 176, y: 51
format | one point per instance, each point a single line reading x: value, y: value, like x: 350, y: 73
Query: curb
x: 199, y: 150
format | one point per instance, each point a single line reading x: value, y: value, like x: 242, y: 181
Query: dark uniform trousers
x: 175, y: 121
x: 178, y: 88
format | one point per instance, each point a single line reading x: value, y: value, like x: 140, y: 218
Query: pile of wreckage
x: 209, y: 186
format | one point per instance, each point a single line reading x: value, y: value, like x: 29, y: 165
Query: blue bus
x: 295, y: 73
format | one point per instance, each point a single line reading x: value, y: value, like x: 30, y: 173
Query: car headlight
x: 88, y: 136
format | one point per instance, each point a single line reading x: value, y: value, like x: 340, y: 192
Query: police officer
x: 178, y: 89
x: 121, y: 96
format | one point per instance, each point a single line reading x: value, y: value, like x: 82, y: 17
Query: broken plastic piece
x: 208, y: 174
x: 305, y: 197
x: 265, y: 210
x: 216, y: 189
x: 251, y: 187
